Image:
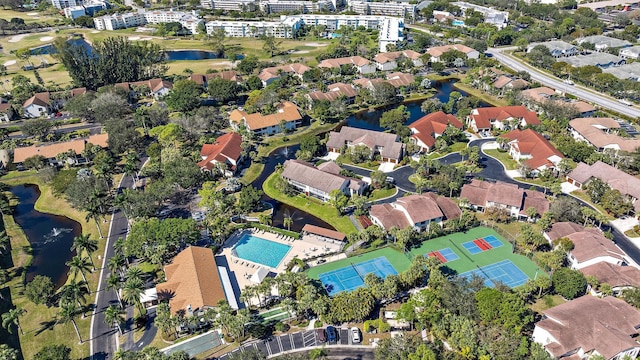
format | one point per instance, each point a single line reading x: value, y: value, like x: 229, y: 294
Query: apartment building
x: 63, y: 4
x: 189, y: 21
x: 399, y: 9
x: 280, y: 29
x: 303, y: 7
x: 230, y: 5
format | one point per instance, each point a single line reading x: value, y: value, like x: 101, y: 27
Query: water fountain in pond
x: 55, y: 234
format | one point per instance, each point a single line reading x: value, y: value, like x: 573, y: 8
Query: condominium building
x: 189, y: 21
x: 399, y: 9
x: 237, y: 5
x: 391, y: 33
x: 63, y: 4
x: 303, y: 7
x: 279, y: 29
x: 491, y: 16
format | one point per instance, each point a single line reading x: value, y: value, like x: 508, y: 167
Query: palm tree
x: 134, y: 273
x: 122, y: 202
x: 5, y: 207
x: 12, y: 317
x: 74, y: 292
x: 131, y: 166
x: 4, y: 242
x: 93, y: 212
x: 113, y: 282
x: 115, y: 265
x: 79, y: 264
x: 68, y: 313
x: 83, y: 243
x: 287, y: 221
x: 131, y: 292
x: 114, y: 315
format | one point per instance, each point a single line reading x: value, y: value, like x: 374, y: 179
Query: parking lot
x: 292, y: 341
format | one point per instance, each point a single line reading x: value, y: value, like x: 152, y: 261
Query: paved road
x: 103, y: 343
x: 304, y: 339
x: 602, y: 100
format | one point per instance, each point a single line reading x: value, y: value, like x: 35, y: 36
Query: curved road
x: 602, y: 100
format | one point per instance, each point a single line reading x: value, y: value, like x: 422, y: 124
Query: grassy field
x: 36, y: 16
x: 480, y: 95
x: 503, y: 157
x: 399, y: 261
x: 314, y: 207
x: 39, y: 321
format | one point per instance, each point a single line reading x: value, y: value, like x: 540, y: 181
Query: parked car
x: 332, y: 336
x: 321, y: 335
x: 355, y: 335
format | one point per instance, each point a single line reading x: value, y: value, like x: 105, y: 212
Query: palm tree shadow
x: 45, y: 325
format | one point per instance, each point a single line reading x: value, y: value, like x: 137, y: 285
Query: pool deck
x: 307, y: 247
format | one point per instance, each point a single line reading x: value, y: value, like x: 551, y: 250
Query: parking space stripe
x: 280, y: 343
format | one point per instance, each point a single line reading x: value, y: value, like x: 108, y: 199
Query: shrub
x: 281, y: 327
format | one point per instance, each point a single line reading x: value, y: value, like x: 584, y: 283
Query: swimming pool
x: 261, y: 251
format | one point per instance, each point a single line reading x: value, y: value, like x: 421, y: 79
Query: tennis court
x: 472, y: 247
x: 504, y: 271
x: 444, y: 255
x: 352, y: 277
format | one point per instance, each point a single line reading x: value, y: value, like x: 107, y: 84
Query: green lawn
x: 378, y: 194
x: 399, y: 261
x: 480, y: 94
x: 503, y: 157
x: 467, y: 261
x: 314, y: 207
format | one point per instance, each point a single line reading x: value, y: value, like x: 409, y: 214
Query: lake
x: 50, y: 236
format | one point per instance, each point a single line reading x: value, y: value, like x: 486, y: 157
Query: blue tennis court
x: 504, y: 271
x: 448, y: 254
x: 472, y: 247
x: 352, y: 277
x: 493, y: 241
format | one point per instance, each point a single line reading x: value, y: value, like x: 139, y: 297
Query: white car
x: 355, y: 335
x: 569, y: 82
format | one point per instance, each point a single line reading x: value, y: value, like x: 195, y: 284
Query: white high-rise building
x: 189, y: 21
x: 63, y: 4
x: 237, y: 5
x: 399, y: 9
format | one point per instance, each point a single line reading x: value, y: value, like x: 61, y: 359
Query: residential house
x: 504, y: 82
x: 482, y: 120
x: 491, y: 16
x: 601, y: 133
x: 481, y: 195
x: 589, y: 326
x: 271, y: 74
x: 387, y: 61
x: 628, y: 185
x: 416, y: 211
x: 362, y: 65
x: 38, y: 105
x: 591, y: 247
x: 532, y: 149
x: 557, y: 48
x: 224, y: 155
x: 156, y: 87
x: 425, y: 130
x: 619, y: 277
x: 203, y: 79
x: 287, y: 116
x: 334, y: 91
x: 387, y: 145
x: 396, y: 79
x: 601, y: 60
x: 6, y: 112
x: 602, y: 43
x: 193, y: 283
x: 632, y: 52
x: 584, y: 108
x: 436, y: 52
x: 319, y: 182
x: 51, y: 151
x: 629, y: 71
x: 537, y: 96
x: 561, y: 229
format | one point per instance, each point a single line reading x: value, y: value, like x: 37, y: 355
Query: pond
x: 371, y: 119
x: 50, y: 236
x: 171, y: 54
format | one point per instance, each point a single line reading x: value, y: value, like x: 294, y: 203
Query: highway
x: 590, y: 95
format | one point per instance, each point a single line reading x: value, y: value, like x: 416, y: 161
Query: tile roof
x: 227, y: 146
x: 154, y: 85
x: 439, y: 50
x: 337, y: 62
x: 615, y: 178
x: 324, y: 232
x: 595, y: 131
x: 40, y: 99
x: 479, y: 193
x: 605, y: 325
x: 614, y: 275
x: 590, y: 244
x: 583, y: 107
x: 192, y: 280
x: 535, y: 199
x: 307, y: 174
x: 383, y: 58
x: 425, y: 128
x: 484, y: 116
x: 529, y: 142
x: 398, y: 79
x: 5, y: 107
x: 539, y: 94
x: 287, y: 111
x: 334, y: 91
x: 391, y: 146
x: 274, y: 71
x: 501, y: 81
x: 50, y: 151
x: 413, y: 209
x: 562, y: 229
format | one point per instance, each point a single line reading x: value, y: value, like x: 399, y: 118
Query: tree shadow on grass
x: 10, y: 339
x: 45, y: 325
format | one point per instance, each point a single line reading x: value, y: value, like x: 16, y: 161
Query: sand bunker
x: 315, y: 44
x: 32, y: 13
x: 46, y: 38
x: 134, y: 38
x: 16, y: 38
x: 300, y: 52
x: 95, y: 31
x: 145, y: 38
x: 10, y: 62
